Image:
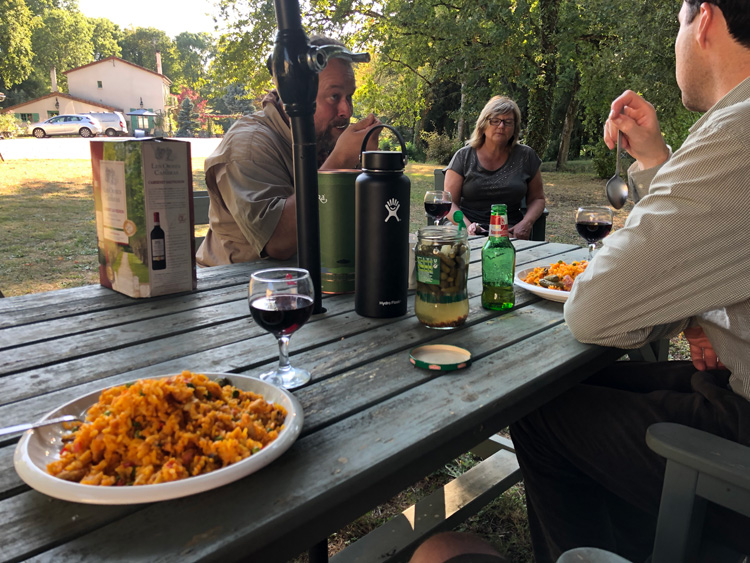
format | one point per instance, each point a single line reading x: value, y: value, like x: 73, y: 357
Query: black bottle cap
x: 383, y: 161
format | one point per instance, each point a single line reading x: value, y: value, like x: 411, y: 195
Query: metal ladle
x: 617, y: 189
x: 24, y: 427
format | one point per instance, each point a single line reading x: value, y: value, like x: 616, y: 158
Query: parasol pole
x: 297, y: 84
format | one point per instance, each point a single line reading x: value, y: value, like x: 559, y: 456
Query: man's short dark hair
x: 736, y: 13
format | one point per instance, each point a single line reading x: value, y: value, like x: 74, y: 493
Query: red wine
x: 158, y: 250
x: 282, y: 314
x: 437, y: 210
x: 593, y: 231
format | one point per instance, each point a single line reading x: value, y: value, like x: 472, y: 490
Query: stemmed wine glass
x: 281, y: 301
x: 593, y: 223
x: 437, y: 205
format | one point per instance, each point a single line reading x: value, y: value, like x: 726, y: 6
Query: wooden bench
x: 200, y: 212
x: 538, y: 231
x: 443, y: 510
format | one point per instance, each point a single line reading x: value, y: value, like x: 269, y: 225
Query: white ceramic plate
x: 551, y: 294
x: 39, y: 447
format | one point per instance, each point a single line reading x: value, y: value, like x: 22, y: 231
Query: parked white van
x: 113, y: 122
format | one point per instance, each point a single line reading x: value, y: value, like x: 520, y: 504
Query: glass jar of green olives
x: 442, y: 262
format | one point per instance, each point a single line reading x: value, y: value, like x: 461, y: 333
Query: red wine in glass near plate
x: 281, y: 314
x: 437, y: 210
x: 593, y: 231
x: 281, y: 301
x: 593, y: 223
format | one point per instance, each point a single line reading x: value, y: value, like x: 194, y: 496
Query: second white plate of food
x: 41, y: 446
x: 551, y: 294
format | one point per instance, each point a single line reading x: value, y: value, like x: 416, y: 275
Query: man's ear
x: 706, y: 20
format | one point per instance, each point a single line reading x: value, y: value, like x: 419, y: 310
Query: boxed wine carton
x: 143, y: 194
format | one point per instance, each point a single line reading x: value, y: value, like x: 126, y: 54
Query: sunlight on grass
x: 47, y: 213
x: 49, y: 228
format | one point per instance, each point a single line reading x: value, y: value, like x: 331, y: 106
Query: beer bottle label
x: 498, y: 226
x: 428, y: 269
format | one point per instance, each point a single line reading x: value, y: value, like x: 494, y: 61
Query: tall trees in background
x: 62, y: 41
x: 435, y: 63
x: 16, y: 56
x: 438, y: 62
x: 105, y: 38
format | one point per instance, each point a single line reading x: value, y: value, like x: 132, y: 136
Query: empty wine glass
x: 281, y: 301
x: 593, y: 223
x: 437, y: 205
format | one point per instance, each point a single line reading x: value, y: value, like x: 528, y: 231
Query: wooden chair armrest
x: 702, y: 451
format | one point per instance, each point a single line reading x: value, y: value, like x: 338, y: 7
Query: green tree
x: 63, y: 41
x: 561, y: 60
x: 196, y: 51
x: 243, y: 50
x: 105, y: 37
x: 140, y: 45
x: 187, y: 119
x: 16, y: 27
x: 38, y: 7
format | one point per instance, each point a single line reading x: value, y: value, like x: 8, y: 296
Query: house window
x: 27, y: 117
x: 52, y: 113
x: 99, y: 84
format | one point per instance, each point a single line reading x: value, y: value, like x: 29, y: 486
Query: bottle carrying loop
x: 363, y: 152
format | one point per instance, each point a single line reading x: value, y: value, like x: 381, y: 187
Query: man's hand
x: 641, y: 135
x: 701, y: 352
x: 346, y: 152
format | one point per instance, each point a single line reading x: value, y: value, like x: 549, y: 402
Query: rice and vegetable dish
x: 559, y: 276
x: 160, y: 430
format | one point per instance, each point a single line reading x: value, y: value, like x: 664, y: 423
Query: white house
x: 111, y: 84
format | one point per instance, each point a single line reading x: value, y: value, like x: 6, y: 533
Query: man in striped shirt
x: 679, y: 265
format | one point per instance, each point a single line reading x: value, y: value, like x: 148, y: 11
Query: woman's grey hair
x: 497, y: 106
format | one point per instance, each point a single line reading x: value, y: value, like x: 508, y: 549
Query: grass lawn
x: 49, y: 242
x: 49, y: 230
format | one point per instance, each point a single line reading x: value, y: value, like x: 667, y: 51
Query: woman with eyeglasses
x: 494, y: 168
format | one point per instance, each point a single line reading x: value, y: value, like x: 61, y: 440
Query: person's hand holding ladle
x: 637, y: 127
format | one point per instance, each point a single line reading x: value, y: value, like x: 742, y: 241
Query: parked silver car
x: 74, y: 124
x: 113, y: 122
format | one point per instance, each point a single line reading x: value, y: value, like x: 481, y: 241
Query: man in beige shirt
x: 679, y: 264
x: 250, y: 176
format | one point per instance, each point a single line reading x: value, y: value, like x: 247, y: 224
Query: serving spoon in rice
x: 28, y: 426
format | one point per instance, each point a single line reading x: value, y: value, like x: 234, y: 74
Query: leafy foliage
x: 140, y: 45
x: 105, y: 38
x: 16, y: 27
x: 440, y: 148
x: 9, y: 126
x: 195, y: 51
x: 434, y: 64
x: 63, y: 41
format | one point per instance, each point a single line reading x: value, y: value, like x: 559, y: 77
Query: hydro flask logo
x: 392, y: 207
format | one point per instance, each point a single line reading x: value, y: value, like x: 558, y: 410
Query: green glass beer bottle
x: 498, y: 263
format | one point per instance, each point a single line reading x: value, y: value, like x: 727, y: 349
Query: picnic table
x: 374, y: 424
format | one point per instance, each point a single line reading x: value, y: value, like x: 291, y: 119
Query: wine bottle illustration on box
x: 158, y: 249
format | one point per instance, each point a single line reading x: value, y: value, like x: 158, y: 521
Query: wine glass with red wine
x: 281, y: 301
x: 593, y: 223
x: 437, y: 205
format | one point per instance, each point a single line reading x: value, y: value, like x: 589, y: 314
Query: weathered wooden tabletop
x: 374, y: 423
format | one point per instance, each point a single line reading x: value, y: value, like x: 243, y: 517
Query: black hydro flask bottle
x: 382, y: 196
